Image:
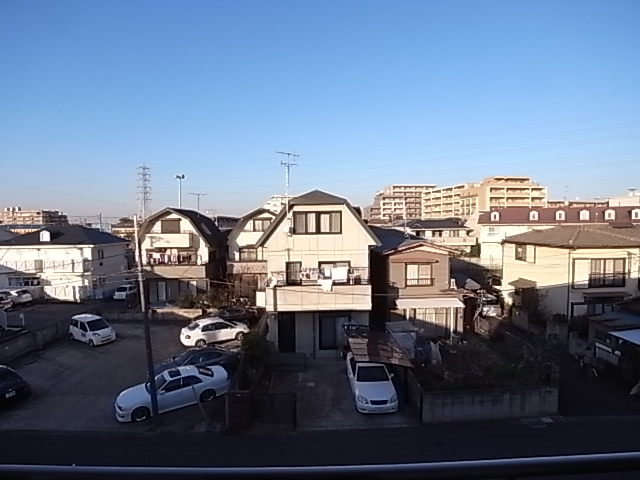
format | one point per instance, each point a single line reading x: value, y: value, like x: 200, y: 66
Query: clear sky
x: 368, y: 92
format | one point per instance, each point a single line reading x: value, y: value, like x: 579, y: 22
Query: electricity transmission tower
x: 144, y: 192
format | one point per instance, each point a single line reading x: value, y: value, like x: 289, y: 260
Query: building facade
x: 24, y: 221
x: 65, y: 262
x: 450, y: 232
x: 398, y: 201
x: 183, y: 252
x: 317, y: 257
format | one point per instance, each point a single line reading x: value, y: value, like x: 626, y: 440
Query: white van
x: 91, y: 329
x: 123, y: 291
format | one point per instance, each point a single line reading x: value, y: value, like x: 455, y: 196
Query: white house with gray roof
x: 317, y: 258
x: 64, y: 262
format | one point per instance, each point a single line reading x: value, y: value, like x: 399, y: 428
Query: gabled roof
x: 5, y: 234
x: 65, y: 235
x: 393, y: 240
x: 204, y: 225
x: 580, y: 236
x: 314, y: 197
x: 249, y: 216
x: 547, y: 215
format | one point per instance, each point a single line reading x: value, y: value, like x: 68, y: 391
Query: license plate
x: 10, y: 394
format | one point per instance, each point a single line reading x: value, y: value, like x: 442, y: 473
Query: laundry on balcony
x: 326, y: 284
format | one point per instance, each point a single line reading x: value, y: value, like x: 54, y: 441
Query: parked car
x: 12, y: 386
x: 176, y: 388
x: 18, y: 297
x: 372, y: 386
x: 5, y: 303
x: 209, y: 330
x: 202, y: 357
x: 236, y: 314
x: 123, y: 291
x: 91, y: 329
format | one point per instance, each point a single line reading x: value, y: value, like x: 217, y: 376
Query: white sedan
x: 209, y: 330
x: 18, y: 297
x: 176, y: 388
x: 373, y: 390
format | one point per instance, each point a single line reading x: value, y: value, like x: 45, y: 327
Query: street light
x: 180, y: 178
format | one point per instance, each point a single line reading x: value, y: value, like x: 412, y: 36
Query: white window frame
x: 584, y: 214
x: 561, y: 215
x: 533, y: 216
x: 495, y: 216
x: 609, y: 214
x: 635, y: 214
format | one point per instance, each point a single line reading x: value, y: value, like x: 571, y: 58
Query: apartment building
x: 465, y: 199
x: 24, y: 221
x: 398, y: 201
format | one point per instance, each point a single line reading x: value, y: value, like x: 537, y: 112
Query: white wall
x: 490, y: 238
x: 246, y: 238
x: 199, y: 245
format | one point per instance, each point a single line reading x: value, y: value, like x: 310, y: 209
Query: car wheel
x: 200, y: 343
x: 140, y: 414
x: 207, y: 395
x: 239, y: 336
x: 91, y: 343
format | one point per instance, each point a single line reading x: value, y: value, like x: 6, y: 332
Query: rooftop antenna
x: 287, y: 164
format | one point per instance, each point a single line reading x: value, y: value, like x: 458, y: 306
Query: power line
x: 198, y: 195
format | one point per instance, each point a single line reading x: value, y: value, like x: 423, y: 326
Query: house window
x: 560, y: 215
x: 38, y: 265
x: 584, y: 215
x: 248, y: 254
x: 635, y: 214
x: 610, y: 272
x: 495, y: 216
x: 533, y: 216
x: 100, y: 254
x: 98, y: 282
x: 261, y: 224
x: 317, y: 222
x: 493, y: 231
x: 419, y: 275
x: 170, y: 226
x: 293, y: 273
x: 329, y: 326
x: 610, y: 215
x: 521, y: 253
x: 24, y: 281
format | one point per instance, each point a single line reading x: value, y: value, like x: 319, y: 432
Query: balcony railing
x: 177, y: 259
x: 420, y: 282
x: 316, y: 276
x: 606, y: 280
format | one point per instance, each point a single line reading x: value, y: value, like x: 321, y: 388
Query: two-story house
x: 450, y: 232
x: 246, y: 265
x: 498, y: 224
x: 317, y: 254
x: 183, y: 251
x: 575, y: 270
x: 411, y: 281
x: 64, y: 262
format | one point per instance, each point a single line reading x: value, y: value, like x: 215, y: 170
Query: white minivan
x: 91, y: 329
x: 123, y: 291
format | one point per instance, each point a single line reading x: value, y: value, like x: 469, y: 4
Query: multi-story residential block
x: 398, y: 201
x: 494, y: 226
x: 317, y: 256
x: 575, y: 270
x: 410, y: 280
x: 577, y: 203
x: 64, y: 262
x: 276, y: 203
x: 125, y: 229
x: 631, y: 200
x: 24, y: 221
x: 464, y: 199
x: 246, y: 265
x: 451, y: 232
x: 183, y: 251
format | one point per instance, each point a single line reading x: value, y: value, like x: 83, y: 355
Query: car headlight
x: 394, y: 398
x: 95, y: 334
x: 361, y: 399
x: 119, y: 407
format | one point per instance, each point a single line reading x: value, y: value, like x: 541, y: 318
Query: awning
x: 378, y: 347
x: 632, y: 336
x: 429, y: 302
x: 523, y: 283
x: 606, y: 294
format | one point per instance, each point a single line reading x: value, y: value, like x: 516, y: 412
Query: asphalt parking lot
x: 75, y: 386
x: 40, y: 315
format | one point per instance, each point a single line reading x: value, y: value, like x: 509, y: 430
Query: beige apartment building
x: 398, y: 201
x: 23, y: 221
x: 465, y: 199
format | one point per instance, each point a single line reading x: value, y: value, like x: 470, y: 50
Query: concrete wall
x: 296, y: 298
x: 466, y: 406
x: 29, y: 341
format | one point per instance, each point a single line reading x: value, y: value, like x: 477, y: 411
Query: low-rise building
x: 64, y: 262
x: 183, y: 252
x: 451, y: 232
x: 571, y: 270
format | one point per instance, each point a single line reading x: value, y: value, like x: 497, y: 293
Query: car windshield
x: 98, y: 324
x: 193, y: 326
x: 122, y: 289
x: 374, y: 373
x: 182, y: 358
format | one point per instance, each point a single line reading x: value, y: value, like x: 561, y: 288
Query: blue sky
x: 368, y: 92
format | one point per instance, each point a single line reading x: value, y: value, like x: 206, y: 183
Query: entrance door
x: 287, y: 332
x: 162, y: 292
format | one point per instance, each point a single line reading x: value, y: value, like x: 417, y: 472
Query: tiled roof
x: 392, y: 240
x: 432, y: 223
x: 547, y: 215
x: 65, y: 235
x: 580, y: 236
x: 317, y: 197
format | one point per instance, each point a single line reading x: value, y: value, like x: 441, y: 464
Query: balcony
x: 170, y: 240
x: 250, y: 267
x: 182, y: 265
x: 315, y: 289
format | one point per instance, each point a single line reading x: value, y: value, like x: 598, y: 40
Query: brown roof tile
x: 547, y: 215
x: 580, y: 236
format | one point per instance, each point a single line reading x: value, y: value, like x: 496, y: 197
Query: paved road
x: 41, y: 315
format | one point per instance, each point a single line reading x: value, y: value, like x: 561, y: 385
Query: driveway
x: 325, y: 400
x: 75, y: 386
x: 39, y: 315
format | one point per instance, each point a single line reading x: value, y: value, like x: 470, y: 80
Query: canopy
x: 632, y: 336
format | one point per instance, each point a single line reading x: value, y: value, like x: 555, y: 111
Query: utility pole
x: 198, y: 195
x: 180, y: 178
x: 290, y: 162
x: 147, y: 334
